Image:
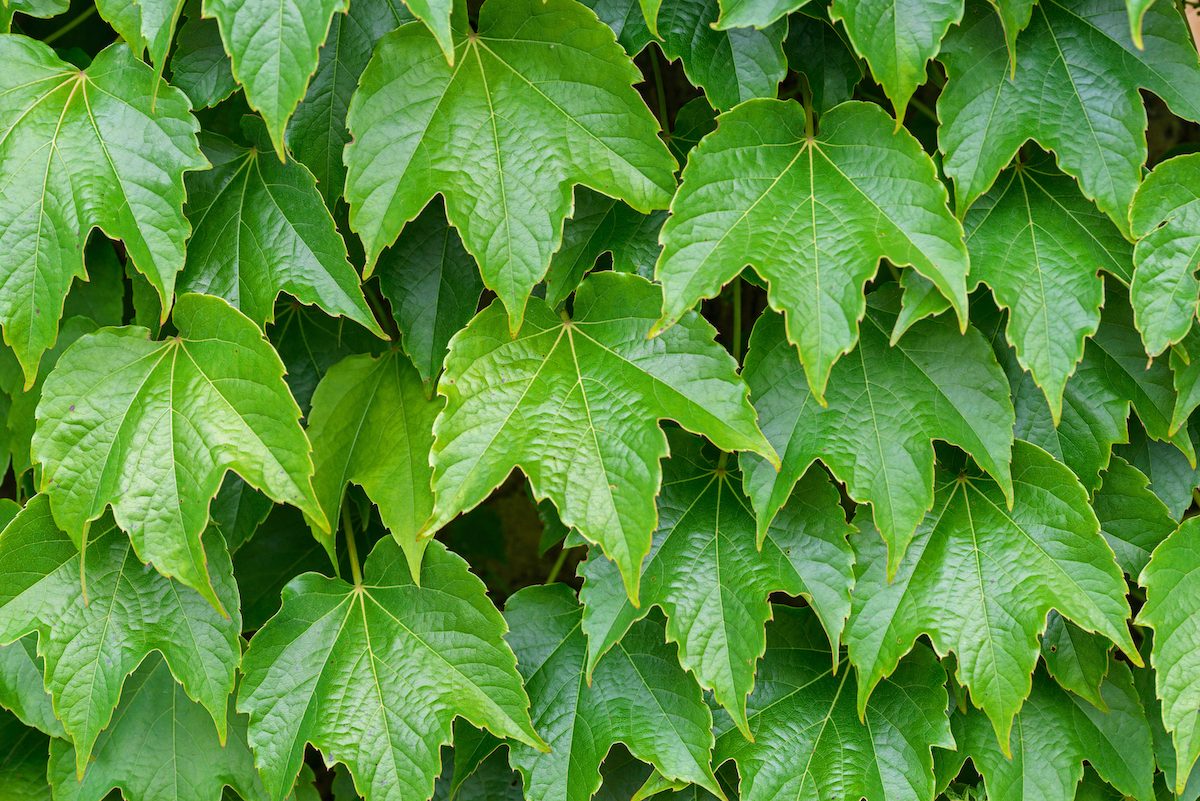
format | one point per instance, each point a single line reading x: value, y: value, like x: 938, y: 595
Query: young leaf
x: 374, y: 674
x: 885, y: 407
x: 1172, y: 610
x: 813, y: 216
x: 90, y: 645
x: 549, y: 63
x: 151, y: 427
x: 1074, y: 91
x: 260, y: 228
x: 1132, y: 518
x: 372, y: 424
x: 1055, y: 733
x: 706, y: 573
x: 811, y: 744
x: 637, y: 695
x: 981, y: 577
x: 161, y: 746
x: 575, y: 403
x: 82, y: 150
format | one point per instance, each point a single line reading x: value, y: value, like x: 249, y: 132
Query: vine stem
x: 557, y: 566
x: 70, y: 25
x: 351, y: 545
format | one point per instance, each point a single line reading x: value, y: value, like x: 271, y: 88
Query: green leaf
x: 695, y: 120
x: 1165, y: 218
x: 549, y: 63
x: 812, y: 216
x: 706, y: 573
x: 1055, y: 733
x: 576, y: 403
x: 753, y: 13
x: 373, y: 675
x: 161, y: 746
x: 310, y: 342
x: 1039, y: 246
x: 22, y: 690
x: 102, y: 441
x: 91, y: 643
x: 1172, y: 583
x: 372, y: 424
x: 819, y: 51
x: 82, y: 150
x: 260, y: 228
x: 1185, y: 368
x: 1077, y: 659
x: 147, y: 25
x: 22, y: 755
x: 1074, y: 91
x: 811, y: 744
x: 1172, y: 479
x: 981, y: 576
x: 897, y: 38
x: 433, y: 286
x: 886, y: 405
x: 199, y: 65
x: 32, y: 8
x: 238, y: 511
x: 627, y: 21
x: 637, y: 695
x: 278, y: 553
x: 1132, y: 518
x: 1164, y: 748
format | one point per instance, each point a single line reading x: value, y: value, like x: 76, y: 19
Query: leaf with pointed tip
x: 373, y: 675
x: 811, y: 744
x: 886, y: 405
x: 372, y: 424
x: 82, y: 150
x: 1055, y: 733
x: 1132, y: 518
x: 981, y: 576
x: 161, y: 746
x: 238, y: 511
x: 22, y: 758
x: 627, y: 21
x: 549, y: 63
x: 1172, y: 479
x: 150, y: 428
x: 433, y: 286
x: 706, y: 573
x: 147, y: 25
x: 33, y: 8
x: 1075, y: 91
x: 812, y: 216
x: 638, y: 695
x: 90, y: 644
x: 753, y: 13
x: 576, y: 403
x: 1185, y: 367
x: 819, y: 51
x: 22, y: 690
x: 199, y: 65
x: 1077, y: 659
x: 1172, y: 610
x: 309, y: 342
x: 259, y: 228
x: 1039, y: 246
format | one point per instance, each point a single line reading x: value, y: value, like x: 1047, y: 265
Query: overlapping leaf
x: 1132, y: 518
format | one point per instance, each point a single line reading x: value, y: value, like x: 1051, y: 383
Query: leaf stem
x: 351, y: 545
x: 70, y: 25
x: 737, y: 320
x: 659, y: 91
x: 375, y: 301
x: 558, y: 565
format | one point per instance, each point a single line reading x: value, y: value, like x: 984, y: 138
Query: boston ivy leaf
x: 1172, y: 583
x: 576, y: 403
x: 1172, y: 479
x: 813, y: 216
x: 637, y: 695
x: 433, y: 286
x: 753, y: 13
x: 1132, y: 518
x: 102, y: 440
x: 885, y: 407
x: 820, y: 52
x: 22, y: 690
x: 1039, y: 244
x: 82, y: 150
x: 317, y: 132
x: 551, y: 64
x: 1185, y: 370
x: 1074, y: 91
x: 146, y: 25
x: 1165, y: 217
x: 277, y: 554
x: 374, y: 674
x: 22, y: 754
x: 199, y: 65
x: 811, y: 744
x: 238, y: 511
x: 706, y: 573
x: 372, y: 424
x: 897, y: 38
x: 260, y: 228
x: 1164, y: 748
x: 1077, y: 659
x: 1053, y: 735
x: 695, y: 120
x: 90, y: 644
x: 161, y: 746
x: 627, y: 21
x: 980, y: 578
x: 32, y: 8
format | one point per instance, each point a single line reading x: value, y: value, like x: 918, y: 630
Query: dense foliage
x: 558, y: 399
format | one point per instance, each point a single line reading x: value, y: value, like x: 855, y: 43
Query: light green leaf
x: 91, y: 644
x: 372, y: 424
x: 980, y: 577
x: 150, y: 428
x: 812, y: 216
x: 147, y: 25
x: 638, y: 695
x: 1172, y: 610
x: 886, y: 405
x: 373, y: 675
x: 1074, y: 91
x: 161, y: 746
x: 32, y: 8
x: 706, y: 573
x: 752, y: 13
x: 1137, y: 15
x: 575, y: 403
x: 550, y: 64
x: 1077, y: 659
x: 82, y: 150
x: 1132, y: 518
